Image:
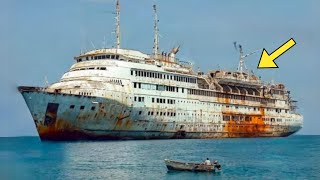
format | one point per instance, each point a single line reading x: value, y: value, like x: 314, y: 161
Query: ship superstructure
x: 115, y: 93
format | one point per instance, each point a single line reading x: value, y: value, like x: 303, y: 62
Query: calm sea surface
x: 295, y: 157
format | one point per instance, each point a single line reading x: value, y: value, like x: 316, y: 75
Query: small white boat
x: 191, y: 166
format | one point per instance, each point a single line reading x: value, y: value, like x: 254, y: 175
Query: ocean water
x: 295, y: 157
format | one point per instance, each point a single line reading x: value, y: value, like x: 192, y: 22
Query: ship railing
x: 30, y: 88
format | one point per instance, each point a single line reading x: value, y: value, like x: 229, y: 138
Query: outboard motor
x: 217, y: 165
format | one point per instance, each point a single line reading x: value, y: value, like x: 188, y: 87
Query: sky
x: 39, y: 38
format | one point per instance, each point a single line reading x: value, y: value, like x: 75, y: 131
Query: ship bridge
x: 113, y: 54
x: 166, y: 60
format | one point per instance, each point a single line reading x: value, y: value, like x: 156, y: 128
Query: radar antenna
x: 242, y: 66
x: 156, y: 33
x: 118, y: 24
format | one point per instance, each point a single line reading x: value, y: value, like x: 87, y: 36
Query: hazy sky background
x: 40, y: 38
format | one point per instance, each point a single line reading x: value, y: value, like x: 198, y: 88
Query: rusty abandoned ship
x: 115, y: 93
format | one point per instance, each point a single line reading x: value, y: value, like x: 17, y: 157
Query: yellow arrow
x: 267, y: 61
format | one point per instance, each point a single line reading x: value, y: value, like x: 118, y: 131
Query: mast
x: 118, y: 24
x: 241, y: 65
x: 156, y: 33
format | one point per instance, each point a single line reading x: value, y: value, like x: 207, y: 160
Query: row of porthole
x: 150, y: 113
x: 82, y: 107
x: 85, y: 93
x: 227, y: 106
x: 174, y: 114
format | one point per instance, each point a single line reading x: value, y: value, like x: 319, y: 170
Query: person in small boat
x: 207, y: 162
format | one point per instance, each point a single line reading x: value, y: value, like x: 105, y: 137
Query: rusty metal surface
x: 110, y: 119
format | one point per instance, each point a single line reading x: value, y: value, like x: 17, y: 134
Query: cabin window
x: 71, y: 106
x: 141, y: 99
x: 103, y: 68
x: 140, y: 112
x: 93, y: 108
x: 81, y: 107
x: 112, y: 56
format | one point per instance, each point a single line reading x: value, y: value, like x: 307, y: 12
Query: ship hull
x: 75, y: 135
x: 64, y: 117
